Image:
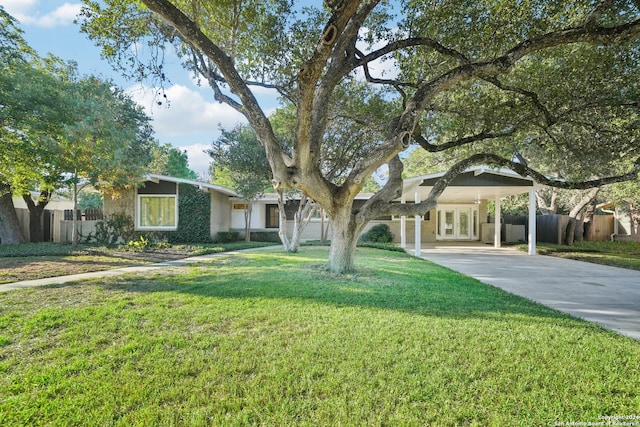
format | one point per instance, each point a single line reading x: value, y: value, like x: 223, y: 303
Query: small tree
x: 239, y: 161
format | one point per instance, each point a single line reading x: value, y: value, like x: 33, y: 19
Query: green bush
x: 377, y: 234
x: 265, y: 236
x: 115, y: 227
x: 141, y: 244
x: 227, y: 236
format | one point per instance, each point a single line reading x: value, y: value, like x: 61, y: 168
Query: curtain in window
x: 157, y: 211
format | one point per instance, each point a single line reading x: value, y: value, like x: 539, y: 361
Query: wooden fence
x: 89, y: 215
x: 551, y: 228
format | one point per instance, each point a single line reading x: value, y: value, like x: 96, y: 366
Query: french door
x: 457, y: 223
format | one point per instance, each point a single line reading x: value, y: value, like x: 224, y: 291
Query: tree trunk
x: 344, y: 239
x: 570, y: 231
x: 324, y: 229
x: 9, y: 226
x: 282, y: 223
x: 36, y: 233
x: 74, y: 231
x: 247, y: 221
x: 547, y: 207
x: 634, y: 213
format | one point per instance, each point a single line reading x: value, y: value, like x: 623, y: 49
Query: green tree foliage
x: 239, y: 162
x: 170, y: 161
x: 240, y: 157
x: 485, y: 81
x: 61, y: 129
x: 90, y: 200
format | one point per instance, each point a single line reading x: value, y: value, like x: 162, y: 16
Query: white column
x: 497, y: 229
x: 532, y: 221
x: 418, y: 224
x: 403, y: 227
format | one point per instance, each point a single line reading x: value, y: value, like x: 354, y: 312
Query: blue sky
x: 191, y: 122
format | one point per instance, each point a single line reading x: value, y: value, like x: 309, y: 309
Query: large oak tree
x: 494, y: 78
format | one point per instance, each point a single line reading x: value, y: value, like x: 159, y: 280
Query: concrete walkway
x: 608, y: 296
x: 119, y: 271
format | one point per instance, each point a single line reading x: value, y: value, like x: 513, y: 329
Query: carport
x: 455, y: 216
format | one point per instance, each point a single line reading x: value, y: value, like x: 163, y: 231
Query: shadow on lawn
x: 401, y: 283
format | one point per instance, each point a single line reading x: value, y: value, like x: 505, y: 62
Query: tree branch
x: 594, y: 16
x: 484, y: 135
x: 412, y: 42
x: 190, y: 32
x: 549, y: 118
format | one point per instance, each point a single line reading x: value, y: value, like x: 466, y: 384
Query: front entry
x: 457, y: 222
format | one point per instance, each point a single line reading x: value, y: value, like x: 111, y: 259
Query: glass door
x: 462, y: 219
x: 449, y: 223
x: 457, y: 223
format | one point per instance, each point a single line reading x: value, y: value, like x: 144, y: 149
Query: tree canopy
x: 484, y: 79
x: 59, y: 128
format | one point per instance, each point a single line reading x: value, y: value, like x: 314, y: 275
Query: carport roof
x: 475, y: 184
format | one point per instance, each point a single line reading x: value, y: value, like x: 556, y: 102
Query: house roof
x: 475, y: 184
x: 201, y: 185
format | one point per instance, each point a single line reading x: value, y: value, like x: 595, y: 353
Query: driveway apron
x: 608, y: 296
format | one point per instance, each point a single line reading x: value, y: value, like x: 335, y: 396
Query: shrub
x: 377, y: 234
x: 227, y: 236
x: 265, y: 236
x: 118, y: 226
x: 141, y: 244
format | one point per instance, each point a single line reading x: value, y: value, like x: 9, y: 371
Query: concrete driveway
x: 608, y: 296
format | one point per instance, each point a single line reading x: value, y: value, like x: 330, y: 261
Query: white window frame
x: 475, y: 216
x: 156, y: 227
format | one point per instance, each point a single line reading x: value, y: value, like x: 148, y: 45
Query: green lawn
x: 272, y: 339
x: 616, y: 254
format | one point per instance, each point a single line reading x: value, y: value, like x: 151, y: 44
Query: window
x: 273, y: 217
x: 157, y: 212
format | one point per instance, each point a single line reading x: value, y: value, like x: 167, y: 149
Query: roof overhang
x: 475, y: 184
x: 201, y: 185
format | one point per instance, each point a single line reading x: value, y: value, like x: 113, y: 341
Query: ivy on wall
x: 194, y: 216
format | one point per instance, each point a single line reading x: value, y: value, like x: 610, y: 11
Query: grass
x: 265, y: 338
x: 616, y: 254
x: 65, y: 249
x: 39, y: 260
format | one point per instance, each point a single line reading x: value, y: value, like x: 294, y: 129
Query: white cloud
x: 23, y: 10
x: 199, y: 160
x: 18, y: 7
x: 186, y: 112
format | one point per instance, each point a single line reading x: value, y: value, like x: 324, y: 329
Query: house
x: 52, y: 216
x: 154, y: 205
x: 461, y: 213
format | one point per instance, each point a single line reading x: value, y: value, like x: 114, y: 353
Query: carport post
x: 532, y: 221
x: 418, y: 231
x: 498, y: 222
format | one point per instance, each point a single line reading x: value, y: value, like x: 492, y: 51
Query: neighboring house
x: 51, y: 217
